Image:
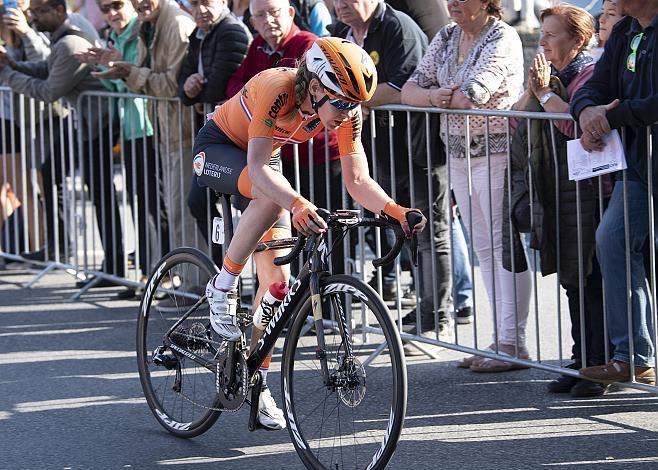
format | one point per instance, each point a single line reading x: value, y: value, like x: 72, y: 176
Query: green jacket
x: 133, y: 111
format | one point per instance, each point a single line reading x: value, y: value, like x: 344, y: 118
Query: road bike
x: 344, y: 379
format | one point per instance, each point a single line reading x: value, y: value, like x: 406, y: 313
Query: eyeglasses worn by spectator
x: 116, y: 6
x: 261, y: 15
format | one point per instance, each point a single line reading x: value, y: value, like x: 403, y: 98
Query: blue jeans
x: 461, y: 267
x: 611, y: 252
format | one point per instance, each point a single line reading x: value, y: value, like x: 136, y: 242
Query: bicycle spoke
x: 343, y: 427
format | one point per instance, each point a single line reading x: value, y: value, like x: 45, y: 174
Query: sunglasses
x: 342, y: 105
x: 116, y: 6
x: 632, y: 57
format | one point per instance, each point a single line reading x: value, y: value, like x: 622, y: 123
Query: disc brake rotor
x: 351, y: 383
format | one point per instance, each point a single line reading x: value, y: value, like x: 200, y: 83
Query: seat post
x: 227, y: 216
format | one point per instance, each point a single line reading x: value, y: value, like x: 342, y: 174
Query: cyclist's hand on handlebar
x: 305, y: 218
x: 404, y: 215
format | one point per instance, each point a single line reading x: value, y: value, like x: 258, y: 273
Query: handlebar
x: 290, y: 257
x: 350, y: 219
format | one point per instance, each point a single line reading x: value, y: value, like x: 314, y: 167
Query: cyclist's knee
x: 268, y: 272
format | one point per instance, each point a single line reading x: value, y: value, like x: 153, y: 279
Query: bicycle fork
x: 318, y: 319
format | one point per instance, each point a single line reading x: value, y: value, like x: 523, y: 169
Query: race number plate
x: 218, y: 231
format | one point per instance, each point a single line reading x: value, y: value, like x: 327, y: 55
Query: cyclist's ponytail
x: 302, y: 80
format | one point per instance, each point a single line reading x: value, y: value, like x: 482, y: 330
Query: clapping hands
x: 99, y: 55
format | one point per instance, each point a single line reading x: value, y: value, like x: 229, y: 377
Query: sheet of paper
x: 583, y: 164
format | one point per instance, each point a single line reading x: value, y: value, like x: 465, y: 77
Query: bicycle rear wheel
x: 181, y: 393
x: 355, y: 421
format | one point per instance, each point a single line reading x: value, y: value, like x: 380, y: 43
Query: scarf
x: 572, y: 70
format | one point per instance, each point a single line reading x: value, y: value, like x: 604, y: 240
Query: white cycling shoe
x: 223, y: 306
x: 269, y: 415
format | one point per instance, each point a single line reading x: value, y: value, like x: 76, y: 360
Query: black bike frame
x: 309, y: 278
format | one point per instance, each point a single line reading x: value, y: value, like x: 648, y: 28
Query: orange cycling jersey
x: 265, y: 107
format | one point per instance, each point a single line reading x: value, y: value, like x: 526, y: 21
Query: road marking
x: 25, y: 357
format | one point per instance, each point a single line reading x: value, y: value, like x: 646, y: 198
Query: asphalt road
x: 70, y: 399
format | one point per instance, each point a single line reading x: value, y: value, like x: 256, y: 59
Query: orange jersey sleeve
x: 349, y: 135
x: 254, y: 110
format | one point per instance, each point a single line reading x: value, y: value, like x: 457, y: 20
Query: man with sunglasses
x: 396, y: 44
x: 236, y: 152
x: 623, y: 94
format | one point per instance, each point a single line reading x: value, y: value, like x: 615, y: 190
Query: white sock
x: 227, y: 279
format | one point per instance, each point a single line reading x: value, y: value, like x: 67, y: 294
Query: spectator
x: 217, y: 48
x: 566, y: 34
x: 397, y: 45
x: 281, y: 42
x: 14, y: 32
x: 621, y: 95
x: 240, y: 9
x: 63, y: 76
x: 37, y: 44
x: 313, y: 16
x: 89, y: 9
x: 607, y: 20
x: 28, y: 43
x: 430, y: 15
x: 142, y: 182
x: 477, y: 61
x: 162, y: 46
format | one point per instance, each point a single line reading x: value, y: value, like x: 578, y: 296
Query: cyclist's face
x: 330, y: 115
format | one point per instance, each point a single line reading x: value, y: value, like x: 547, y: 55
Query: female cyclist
x: 236, y: 152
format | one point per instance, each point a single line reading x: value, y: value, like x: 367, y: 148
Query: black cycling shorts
x: 221, y: 166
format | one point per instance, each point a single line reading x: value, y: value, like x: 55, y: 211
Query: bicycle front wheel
x: 353, y: 420
x: 173, y: 327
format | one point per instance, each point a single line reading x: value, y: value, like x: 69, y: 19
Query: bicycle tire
x: 311, y: 450
x: 152, y: 325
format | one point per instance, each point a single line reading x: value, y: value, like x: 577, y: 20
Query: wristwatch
x: 544, y: 99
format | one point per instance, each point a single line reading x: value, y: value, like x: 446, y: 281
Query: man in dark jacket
x: 622, y: 95
x: 396, y: 44
x: 217, y: 47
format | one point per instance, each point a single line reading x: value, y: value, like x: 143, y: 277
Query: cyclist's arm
x: 360, y: 185
x: 269, y: 183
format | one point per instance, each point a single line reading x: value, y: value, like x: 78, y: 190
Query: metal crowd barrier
x: 136, y: 167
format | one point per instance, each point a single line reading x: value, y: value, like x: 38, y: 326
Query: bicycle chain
x: 218, y: 345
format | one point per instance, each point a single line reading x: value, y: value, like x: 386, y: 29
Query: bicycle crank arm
x: 255, y: 399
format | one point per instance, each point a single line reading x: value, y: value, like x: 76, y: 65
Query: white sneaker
x: 223, y: 306
x: 269, y: 415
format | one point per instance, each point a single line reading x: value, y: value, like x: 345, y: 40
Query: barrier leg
x: 40, y: 274
x: 87, y: 286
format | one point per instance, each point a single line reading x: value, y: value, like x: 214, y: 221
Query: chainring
x: 231, y: 396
